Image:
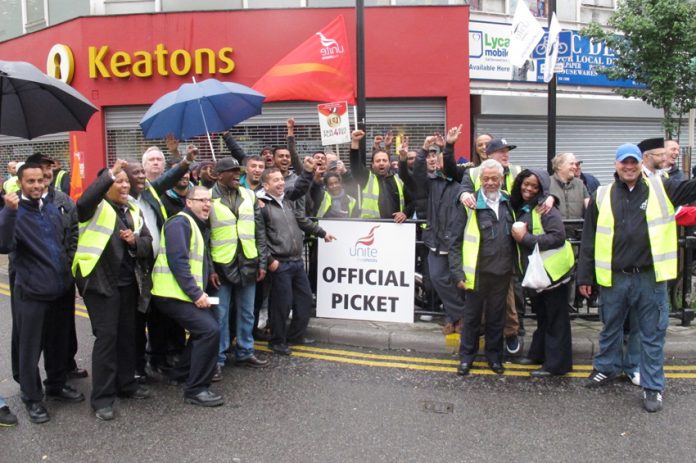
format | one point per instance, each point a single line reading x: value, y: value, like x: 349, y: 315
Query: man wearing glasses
x: 179, y: 276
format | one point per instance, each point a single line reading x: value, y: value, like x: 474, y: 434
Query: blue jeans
x: 2, y: 402
x: 244, y: 302
x: 636, y: 293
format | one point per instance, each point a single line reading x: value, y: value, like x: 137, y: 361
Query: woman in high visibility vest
x: 110, y: 268
x: 551, y: 343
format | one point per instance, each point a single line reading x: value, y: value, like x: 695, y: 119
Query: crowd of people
x: 178, y: 260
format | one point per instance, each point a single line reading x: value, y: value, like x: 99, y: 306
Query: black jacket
x: 631, y: 246
x: 446, y: 216
x: 36, y: 236
x: 103, y: 278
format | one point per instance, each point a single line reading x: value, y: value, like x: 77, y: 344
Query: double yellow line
x: 444, y: 365
x: 407, y: 362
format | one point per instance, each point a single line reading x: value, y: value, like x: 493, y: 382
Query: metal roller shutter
x: 593, y: 141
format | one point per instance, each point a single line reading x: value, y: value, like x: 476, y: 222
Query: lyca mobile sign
x: 105, y: 62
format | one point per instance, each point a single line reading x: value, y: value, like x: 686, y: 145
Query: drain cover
x: 437, y: 407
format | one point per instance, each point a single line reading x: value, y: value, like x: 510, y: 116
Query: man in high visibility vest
x: 499, y: 149
x: 146, y: 187
x: 61, y: 178
x: 178, y: 290
x: 629, y: 246
x: 482, y: 261
x: 238, y: 239
x: 383, y: 194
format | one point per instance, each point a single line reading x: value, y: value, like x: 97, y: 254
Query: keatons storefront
x: 416, y: 72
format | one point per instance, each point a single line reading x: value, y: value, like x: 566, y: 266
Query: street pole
x: 551, y: 111
x: 360, y: 54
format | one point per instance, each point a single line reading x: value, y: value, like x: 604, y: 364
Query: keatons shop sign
x: 106, y: 62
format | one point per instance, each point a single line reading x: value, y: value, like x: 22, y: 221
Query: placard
x: 334, y: 123
x: 368, y: 272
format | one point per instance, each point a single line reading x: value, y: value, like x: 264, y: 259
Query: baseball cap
x: 38, y: 158
x: 498, y: 144
x: 225, y: 164
x: 435, y: 148
x: 628, y: 150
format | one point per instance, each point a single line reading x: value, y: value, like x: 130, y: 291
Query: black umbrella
x: 34, y: 104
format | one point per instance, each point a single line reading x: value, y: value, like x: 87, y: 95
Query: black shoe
x: 140, y: 377
x: 204, y: 399
x: 497, y: 367
x: 253, y: 362
x: 65, y: 394
x: 105, y: 414
x: 217, y: 376
x: 302, y: 341
x: 78, y: 373
x: 37, y: 412
x: 541, y: 373
x: 7, y: 418
x: 652, y: 400
x: 141, y: 393
x: 262, y: 335
x: 597, y: 378
x: 280, y: 349
x: 463, y: 369
x: 525, y: 361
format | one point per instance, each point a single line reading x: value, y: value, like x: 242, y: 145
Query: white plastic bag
x: 536, y: 277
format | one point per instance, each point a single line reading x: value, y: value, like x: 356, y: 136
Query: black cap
x: 435, y: 148
x: 225, y: 164
x: 38, y: 158
x: 651, y: 144
x: 498, y: 144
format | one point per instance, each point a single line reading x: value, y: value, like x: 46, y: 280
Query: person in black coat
x: 32, y: 229
x: 551, y: 342
x: 111, y: 287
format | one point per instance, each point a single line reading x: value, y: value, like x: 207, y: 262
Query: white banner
x: 552, y: 49
x: 334, y: 123
x: 368, y: 272
x: 524, y: 35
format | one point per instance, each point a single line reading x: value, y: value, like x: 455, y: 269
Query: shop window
x: 429, y: 2
x: 34, y: 13
x: 274, y: 3
x: 198, y: 5
x: 488, y: 6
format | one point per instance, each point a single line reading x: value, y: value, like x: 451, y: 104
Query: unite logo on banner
x: 330, y: 48
x: 368, y: 272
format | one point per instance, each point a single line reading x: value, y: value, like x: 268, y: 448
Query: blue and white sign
x: 578, y: 57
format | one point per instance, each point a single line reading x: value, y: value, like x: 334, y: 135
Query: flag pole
x: 551, y: 102
x: 360, y: 54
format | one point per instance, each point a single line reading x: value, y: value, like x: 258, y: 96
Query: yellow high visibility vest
x: 662, y: 232
x: 227, y: 230
x: 370, y: 197
x: 154, y: 194
x: 59, y: 181
x: 164, y: 284
x: 96, y: 232
x: 470, y: 248
x: 513, y: 172
x: 11, y: 185
x: 326, y: 202
x: 558, y: 261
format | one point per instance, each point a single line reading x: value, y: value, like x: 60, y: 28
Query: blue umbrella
x: 201, y: 107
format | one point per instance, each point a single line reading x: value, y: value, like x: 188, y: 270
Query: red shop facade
x: 416, y: 72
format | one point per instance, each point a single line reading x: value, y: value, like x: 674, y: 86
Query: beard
x: 492, y: 195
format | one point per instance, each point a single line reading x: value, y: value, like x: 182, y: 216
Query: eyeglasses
x: 203, y: 200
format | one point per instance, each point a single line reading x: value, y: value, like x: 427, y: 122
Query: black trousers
x: 551, y: 343
x: 69, y: 301
x: 113, y: 355
x: 489, y: 297
x: 199, y: 359
x: 440, y: 277
x: 163, y: 336
x: 38, y: 326
x: 289, y: 290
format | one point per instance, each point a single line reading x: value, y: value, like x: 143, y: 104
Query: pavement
x: 427, y: 337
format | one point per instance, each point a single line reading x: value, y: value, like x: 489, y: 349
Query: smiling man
x: 238, y: 239
x: 629, y: 246
x: 32, y: 229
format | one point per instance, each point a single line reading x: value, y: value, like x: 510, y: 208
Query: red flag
x: 76, y: 173
x: 321, y: 69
